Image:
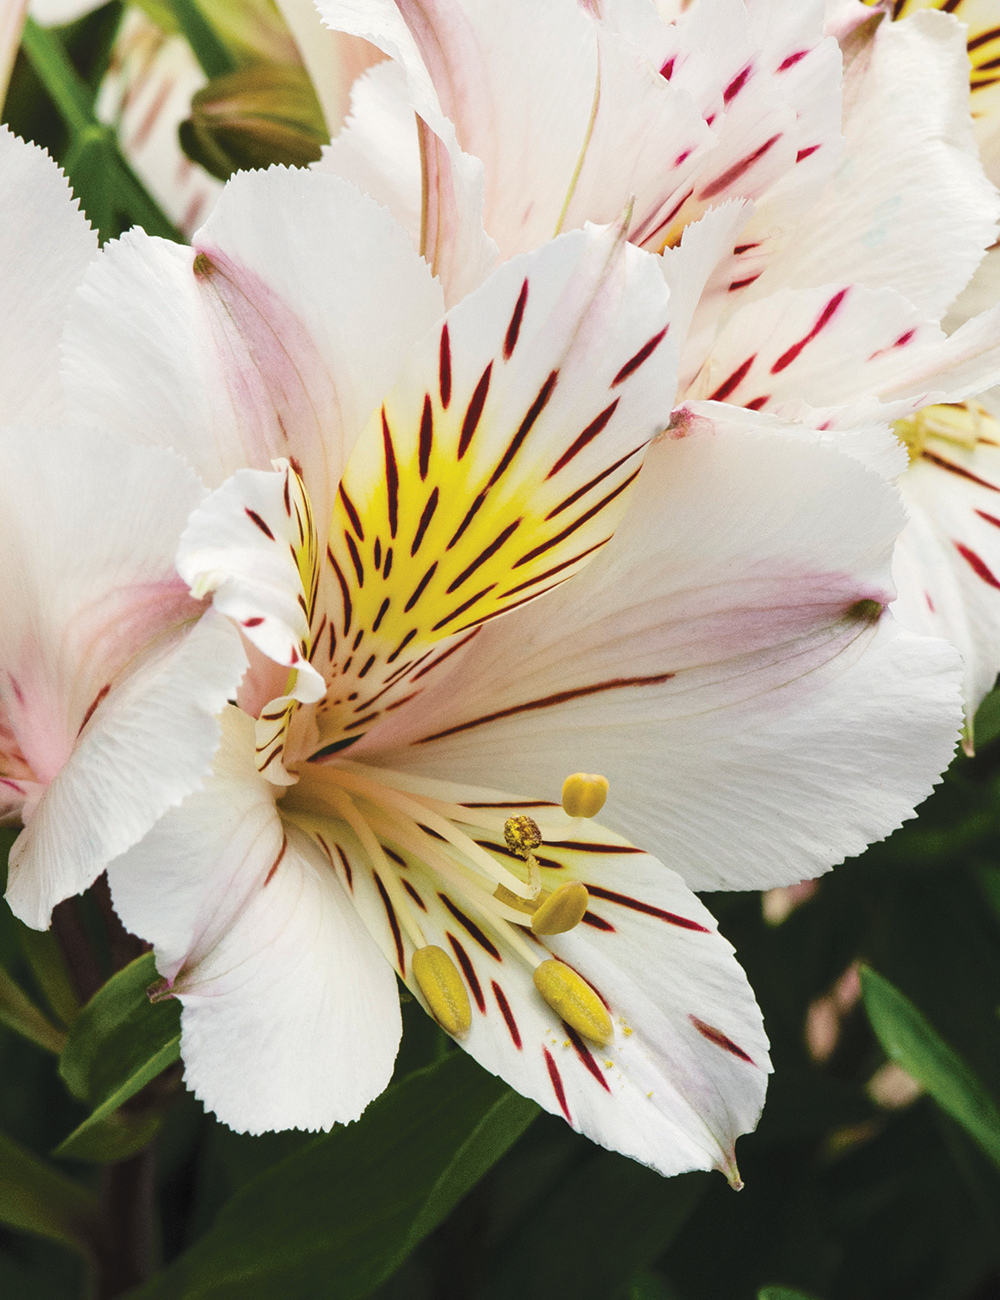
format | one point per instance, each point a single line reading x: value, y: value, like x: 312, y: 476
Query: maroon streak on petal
x: 95, y: 701
x: 474, y: 411
x: 447, y: 654
x: 744, y: 248
x: 391, y: 475
x: 738, y: 169
x: 468, y: 971
x: 647, y: 908
x: 259, y: 522
x: 252, y: 622
x: 589, y: 434
x: 450, y: 618
x: 345, y: 596
x: 668, y: 68
x: 383, y: 609
x: 470, y: 926
x: 803, y: 154
x: 359, y: 568
x: 421, y: 587
x: 983, y: 38
x: 352, y: 513
x: 742, y: 284
x: 483, y: 556
x: 558, y: 568
x: 952, y: 468
x: 736, y: 85
x: 521, y: 803
x: 597, y: 922
x: 719, y: 1038
x: 644, y: 353
x: 402, y: 646
x: 570, y: 529
x: 990, y: 519
x: 758, y: 402
x: 560, y: 697
x: 534, y: 411
x: 978, y: 566
x: 426, y: 438
x: 507, y: 1014
x: 824, y: 318
x: 733, y: 382
x: 792, y: 60
x: 470, y: 514
x: 390, y: 912
x: 583, y: 1052
x: 415, y: 896
x: 557, y: 1084
x: 444, y: 368
x: 514, y: 328
x: 277, y: 861
x: 590, y: 846
x: 345, y: 863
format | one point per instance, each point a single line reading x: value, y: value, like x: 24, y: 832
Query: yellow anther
x: 439, y: 981
x: 583, y: 794
x: 573, y: 1000
x: 522, y: 835
x: 563, y: 910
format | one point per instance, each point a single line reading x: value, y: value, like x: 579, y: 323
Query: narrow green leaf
x: 909, y: 1040
x: 118, y: 1044
x: 781, y: 1293
x: 48, y: 965
x: 351, y: 1205
x: 206, y: 44
x: 18, y: 1012
x: 36, y: 1198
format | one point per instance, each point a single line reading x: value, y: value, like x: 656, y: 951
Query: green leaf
x: 48, y: 966
x: 18, y: 1012
x: 206, y: 44
x: 909, y: 1040
x: 118, y: 1044
x: 355, y: 1202
x: 36, y: 1198
x: 781, y: 1293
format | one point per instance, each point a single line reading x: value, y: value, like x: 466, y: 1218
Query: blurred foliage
x: 114, y: 1181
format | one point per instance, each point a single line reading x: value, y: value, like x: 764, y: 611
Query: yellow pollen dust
x: 583, y: 794
x: 562, y: 910
x: 573, y: 1000
x: 522, y: 835
x: 439, y: 981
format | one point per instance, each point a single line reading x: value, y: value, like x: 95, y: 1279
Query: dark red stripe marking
x: 758, y: 402
x: 596, y: 426
x: 444, y: 367
x: 474, y: 411
x: 390, y: 912
x: 717, y: 1037
x: 420, y: 588
x: 584, y: 1053
x: 388, y: 562
x: 557, y: 1084
x: 733, y: 382
x: 983, y: 38
x: 825, y: 316
x: 573, y: 497
x: 382, y: 610
x: 391, y: 475
x: 426, y: 436
x: 90, y: 708
x: 644, y: 353
x: 277, y: 861
x: 377, y: 553
x: 742, y: 284
x: 449, y: 618
x: 364, y: 673
x: 441, y: 658
x: 597, y: 922
x: 990, y: 519
x: 591, y: 846
x: 570, y: 529
x: 402, y: 646
x: 425, y: 519
x: 534, y: 411
x: 744, y: 248
x: 952, y: 468
x: 346, y: 865
x: 483, y: 556
x: 803, y: 154
x: 259, y: 522
x: 252, y: 622
x: 359, y: 568
x: 550, y: 573
x: 978, y: 566
x: 792, y: 60
x: 736, y: 85
x: 468, y: 971
x: 507, y: 1014
x: 345, y: 596
x: 738, y: 169
x: 667, y: 71
x: 549, y: 701
x: 471, y: 926
x: 637, y: 906
x: 352, y: 514
x: 514, y: 328
x: 415, y: 896
x: 470, y: 514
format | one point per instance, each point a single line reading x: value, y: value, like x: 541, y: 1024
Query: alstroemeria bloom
x: 445, y: 624
x: 107, y: 697
x: 814, y: 303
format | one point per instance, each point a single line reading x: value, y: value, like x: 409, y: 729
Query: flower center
x: 961, y: 424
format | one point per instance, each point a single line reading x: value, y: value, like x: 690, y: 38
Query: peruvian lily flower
x: 811, y: 285
x: 419, y: 527
x: 108, y: 698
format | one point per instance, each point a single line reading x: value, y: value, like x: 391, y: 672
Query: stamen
x: 563, y: 910
x: 522, y: 835
x: 439, y: 981
x: 573, y: 1000
x: 583, y: 794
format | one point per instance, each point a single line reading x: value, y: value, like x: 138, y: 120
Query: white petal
x: 909, y: 207
x: 109, y: 690
x: 291, y: 1016
x: 718, y: 663
x: 278, y: 342
x: 45, y: 246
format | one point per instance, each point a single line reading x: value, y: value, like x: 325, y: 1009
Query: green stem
x: 18, y: 1012
x: 65, y: 87
x: 206, y: 44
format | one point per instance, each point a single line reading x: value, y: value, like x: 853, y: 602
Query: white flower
x: 723, y: 658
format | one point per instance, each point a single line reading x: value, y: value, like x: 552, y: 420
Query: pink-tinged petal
x: 686, y: 1070
x: 275, y: 338
x: 498, y: 465
x: 910, y: 207
x: 291, y: 1016
x: 109, y: 683
x: 729, y: 667
x: 45, y: 247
